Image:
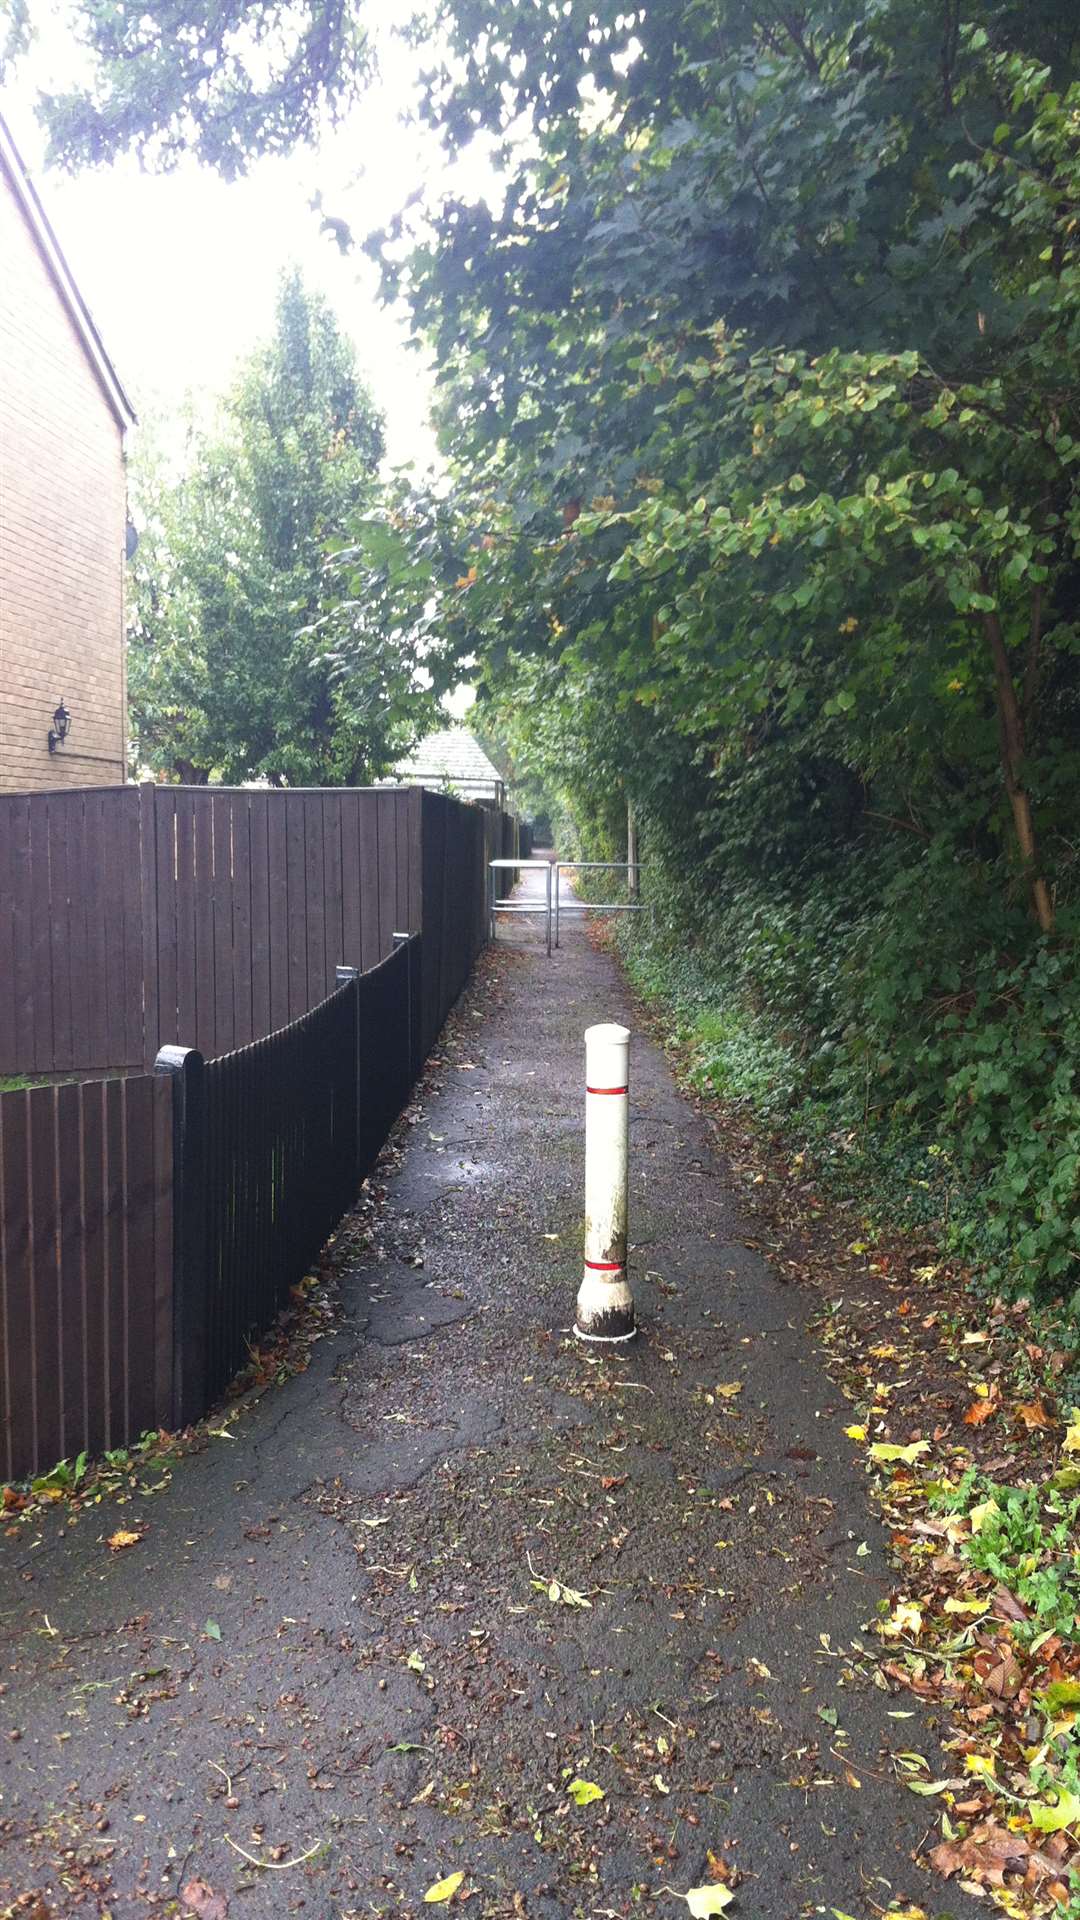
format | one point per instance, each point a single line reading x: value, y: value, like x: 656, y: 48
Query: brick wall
x: 62, y: 521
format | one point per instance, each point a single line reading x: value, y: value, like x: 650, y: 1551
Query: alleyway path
x: 395, y: 1693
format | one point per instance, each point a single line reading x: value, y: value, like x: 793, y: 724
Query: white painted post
x: 605, y: 1305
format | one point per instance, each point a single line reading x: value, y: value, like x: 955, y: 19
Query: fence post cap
x: 608, y: 1033
x: 175, y: 1059
x: 341, y: 974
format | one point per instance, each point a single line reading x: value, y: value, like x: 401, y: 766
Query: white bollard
x: 605, y: 1305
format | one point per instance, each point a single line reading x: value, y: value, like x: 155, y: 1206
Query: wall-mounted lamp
x: 60, y: 728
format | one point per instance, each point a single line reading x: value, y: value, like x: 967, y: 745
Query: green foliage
x: 758, y: 399
x: 233, y: 80
x: 231, y: 670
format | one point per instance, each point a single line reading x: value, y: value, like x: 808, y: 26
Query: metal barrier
x: 495, y: 905
x: 595, y: 906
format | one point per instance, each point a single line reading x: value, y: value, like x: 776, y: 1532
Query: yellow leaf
x: 906, y: 1617
x: 966, y: 1606
x: 855, y: 1432
x: 730, y: 1389
x: 980, y: 1513
x: 1071, y: 1442
x: 982, y: 1764
x: 883, y: 1450
x: 117, y: 1541
x: 703, y: 1901
x: 443, y: 1889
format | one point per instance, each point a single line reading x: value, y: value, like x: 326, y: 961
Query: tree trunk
x: 1011, y: 733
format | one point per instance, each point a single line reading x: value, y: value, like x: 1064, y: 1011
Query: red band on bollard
x: 607, y: 1089
x: 604, y: 1266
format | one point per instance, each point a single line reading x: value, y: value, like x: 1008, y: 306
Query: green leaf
x: 212, y: 1630
x: 1052, y: 1816
x: 584, y: 1792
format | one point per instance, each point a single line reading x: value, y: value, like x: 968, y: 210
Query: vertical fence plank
x: 95, y: 1263
x: 297, y: 884
x: 8, y: 1053
x: 187, y: 999
x: 20, y: 1344
x: 139, y: 1237
x: 279, y: 919
x: 22, y: 892
x: 162, y: 1260
x: 40, y: 914
x: 221, y: 829
x: 371, y: 951
x: 334, y: 949
x: 258, y: 809
x: 147, y: 875
x: 73, y: 925
x: 351, y: 892
x: 71, y: 1279
x: 316, y: 898
x: 94, y: 1054
x: 240, y: 817
x: 45, y: 1267
x: 115, y: 1316
x: 167, y: 929
x: 205, y: 1034
x: 386, y: 817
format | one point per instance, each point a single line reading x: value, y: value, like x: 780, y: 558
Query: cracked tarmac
x: 394, y: 1546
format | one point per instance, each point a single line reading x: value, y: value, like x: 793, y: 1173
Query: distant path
x: 393, y: 1688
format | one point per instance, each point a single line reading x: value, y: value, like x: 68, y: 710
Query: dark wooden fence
x: 133, y: 918
x: 86, y: 1268
x: 151, y: 1226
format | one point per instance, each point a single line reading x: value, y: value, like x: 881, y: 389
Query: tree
x: 231, y: 81
x: 229, y: 669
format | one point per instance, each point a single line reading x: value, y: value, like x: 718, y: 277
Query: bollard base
x: 605, y: 1310
x: 605, y: 1339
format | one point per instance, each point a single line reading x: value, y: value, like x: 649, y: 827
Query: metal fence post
x: 343, y: 975
x: 399, y: 940
x: 190, y: 1277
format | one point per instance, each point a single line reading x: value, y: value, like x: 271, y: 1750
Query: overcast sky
x: 180, y: 270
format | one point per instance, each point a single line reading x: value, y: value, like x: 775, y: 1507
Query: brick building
x: 63, y: 511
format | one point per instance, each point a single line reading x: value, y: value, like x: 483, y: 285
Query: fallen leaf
x: 1033, y: 1414
x: 855, y: 1432
x: 728, y: 1391
x: 117, y: 1541
x: 584, y: 1792
x: 702, y: 1901
x: 883, y: 1450
x: 203, y: 1901
x: 1051, y: 1817
x: 906, y: 1617
x: 979, y: 1412
x: 1071, y: 1442
x: 212, y: 1630
x: 443, y: 1889
x: 1061, y: 1695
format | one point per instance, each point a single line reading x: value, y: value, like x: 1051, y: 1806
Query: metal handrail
x: 495, y: 905
x: 595, y: 906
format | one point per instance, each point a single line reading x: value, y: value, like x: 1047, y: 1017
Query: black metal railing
x: 270, y: 1146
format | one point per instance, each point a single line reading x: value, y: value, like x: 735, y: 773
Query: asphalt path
x: 378, y: 1625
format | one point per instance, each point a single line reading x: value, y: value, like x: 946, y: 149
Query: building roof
x: 64, y: 280
x: 453, y: 757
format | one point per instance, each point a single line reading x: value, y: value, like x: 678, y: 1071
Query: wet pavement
x: 378, y: 1625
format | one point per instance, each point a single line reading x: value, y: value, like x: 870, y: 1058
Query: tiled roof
x: 452, y: 757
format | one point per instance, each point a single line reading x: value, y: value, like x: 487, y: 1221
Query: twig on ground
x: 271, y: 1866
